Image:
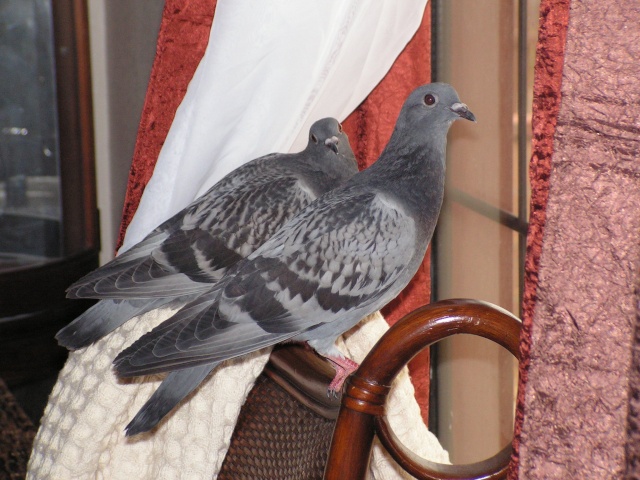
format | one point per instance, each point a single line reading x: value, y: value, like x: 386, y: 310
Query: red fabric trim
x: 554, y: 20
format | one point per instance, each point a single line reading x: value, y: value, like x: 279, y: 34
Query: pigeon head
x: 435, y: 106
x: 327, y: 133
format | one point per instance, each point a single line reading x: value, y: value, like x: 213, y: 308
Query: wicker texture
x: 276, y: 437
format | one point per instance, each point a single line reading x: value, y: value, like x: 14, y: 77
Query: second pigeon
x: 192, y: 250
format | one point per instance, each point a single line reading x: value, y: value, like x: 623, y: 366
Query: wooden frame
x: 362, y: 413
x: 77, y: 171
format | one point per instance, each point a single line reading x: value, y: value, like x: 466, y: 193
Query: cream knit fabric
x: 82, y: 431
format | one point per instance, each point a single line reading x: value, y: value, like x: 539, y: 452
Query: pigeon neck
x: 336, y: 167
x: 413, y: 172
x: 413, y: 161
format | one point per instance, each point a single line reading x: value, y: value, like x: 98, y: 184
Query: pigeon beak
x: 463, y: 111
x: 332, y: 143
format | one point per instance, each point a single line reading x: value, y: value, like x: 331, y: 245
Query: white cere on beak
x: 332, y: 143
x: 463, y: 111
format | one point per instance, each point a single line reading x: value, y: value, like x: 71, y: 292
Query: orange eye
x: 340, y: 127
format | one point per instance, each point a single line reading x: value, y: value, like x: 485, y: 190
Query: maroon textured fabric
x: 183, y: 37
x: 576, y: 394
x: 554, y: 18
x: 633, y: 426
x: 182, y: 40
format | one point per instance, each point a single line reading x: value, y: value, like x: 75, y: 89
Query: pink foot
x: 344, y: 367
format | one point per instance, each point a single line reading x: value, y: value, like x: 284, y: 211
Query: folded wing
x: 337, y: 261
x: 195, y: 247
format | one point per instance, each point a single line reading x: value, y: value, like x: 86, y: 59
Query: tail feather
x: 173, y: 389
x: 121, y: 263
x: 103, y: 318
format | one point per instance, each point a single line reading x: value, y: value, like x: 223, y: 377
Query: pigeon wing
x: 197, y: 246
x: 344, y: 253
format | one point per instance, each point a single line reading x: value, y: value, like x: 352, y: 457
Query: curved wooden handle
x: 362, y: 412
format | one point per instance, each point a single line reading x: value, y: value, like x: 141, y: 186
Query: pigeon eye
x: 429, y: 99
x: 314, y: 138
x: 340, y: 127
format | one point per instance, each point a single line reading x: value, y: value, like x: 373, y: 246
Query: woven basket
x: 277, y: 437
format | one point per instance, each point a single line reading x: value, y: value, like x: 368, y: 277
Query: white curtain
x: 270, y: 70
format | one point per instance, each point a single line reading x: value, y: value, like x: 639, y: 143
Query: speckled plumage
x: 183, y: 256
x: 343, y: 257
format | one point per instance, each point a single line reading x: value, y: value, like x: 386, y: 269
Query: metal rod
x: 489, y: 211
x: 522, y: 142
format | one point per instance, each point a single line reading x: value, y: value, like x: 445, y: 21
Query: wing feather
x: 201, y: 242
x: 343, y: 253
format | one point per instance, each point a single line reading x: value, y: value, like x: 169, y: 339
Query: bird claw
x: 331, y: 393
x: 344, y: 367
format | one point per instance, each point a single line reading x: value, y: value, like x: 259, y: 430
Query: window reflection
x: 30, y: 209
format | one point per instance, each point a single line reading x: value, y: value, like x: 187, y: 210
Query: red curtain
x: 554, y: 18
x: 578, y: 403
x: 182, y: 40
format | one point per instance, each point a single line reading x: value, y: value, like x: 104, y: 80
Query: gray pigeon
x: 343, y: 257
x: 192, y: 250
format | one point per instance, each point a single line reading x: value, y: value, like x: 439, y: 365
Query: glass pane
x: 477, y: 258
x: 30, y: 210
x: 476, y: 378
x: 533, y: 7
x: 477, y: 51
x: 477, y: 384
